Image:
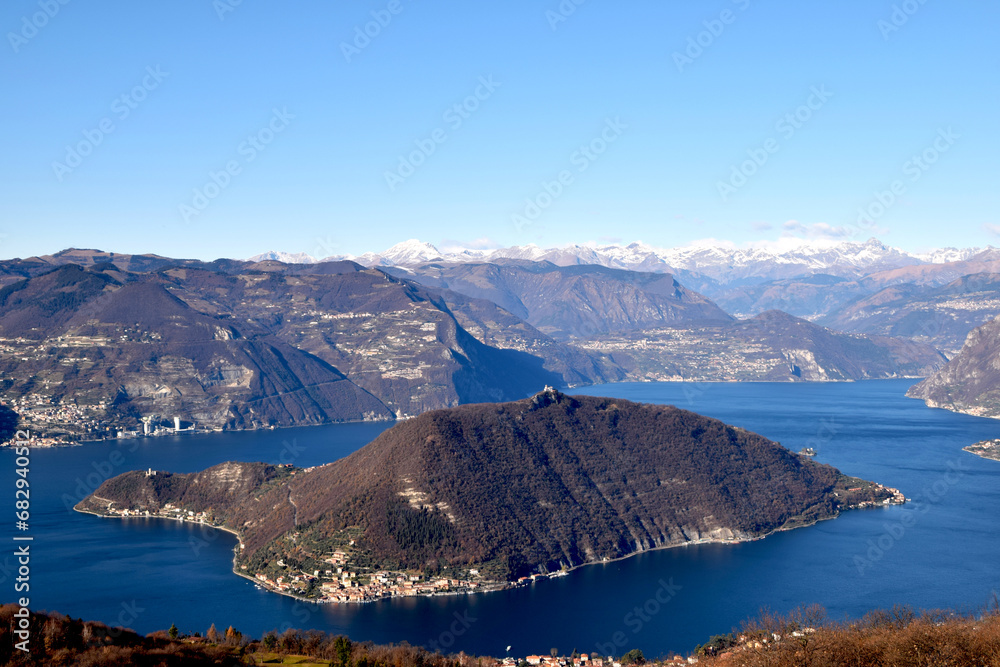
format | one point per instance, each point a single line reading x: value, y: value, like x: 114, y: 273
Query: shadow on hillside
x: 8, y: 423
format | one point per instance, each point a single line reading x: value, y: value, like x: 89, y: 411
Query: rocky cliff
x: 970, y: 382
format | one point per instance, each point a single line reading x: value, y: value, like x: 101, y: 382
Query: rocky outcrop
x: 970, y: 382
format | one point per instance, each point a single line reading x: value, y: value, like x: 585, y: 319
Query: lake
x: 938, y: 552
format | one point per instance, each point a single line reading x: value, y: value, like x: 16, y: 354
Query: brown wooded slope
x: 518, y: 487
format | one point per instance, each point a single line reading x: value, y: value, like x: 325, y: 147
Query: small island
x: 489, y: 496
x: 988, y: 449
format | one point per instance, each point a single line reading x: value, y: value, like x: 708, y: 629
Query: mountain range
x: 771, y: 347
x: 833, y: 284
x: 721, y: 263
x: 570, y: 302
x: 235, y: 344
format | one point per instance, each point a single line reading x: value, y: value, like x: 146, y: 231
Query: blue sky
x: 230, y: 129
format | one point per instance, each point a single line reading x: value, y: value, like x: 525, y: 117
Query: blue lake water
x: 938, y: 552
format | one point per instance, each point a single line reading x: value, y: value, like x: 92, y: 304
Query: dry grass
x: 898, y: 638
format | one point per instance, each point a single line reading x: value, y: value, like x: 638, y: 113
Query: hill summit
x: 506, y: 490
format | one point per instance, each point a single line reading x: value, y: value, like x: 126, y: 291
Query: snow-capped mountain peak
x: 945, y: 255
x: 406, y: 253
x: 413, y: 251
x: 286, y: 257
x: 722, y: 262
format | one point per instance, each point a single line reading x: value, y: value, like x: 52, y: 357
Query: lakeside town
x: 592, y: 660
x: 345, y: 586
x: 705, y: 354
x: 987, y: 449
x: 339, y: 580
x: 720, y: 647
x: 896, y: 496
x: 55, y: 423
x: 52, y: 423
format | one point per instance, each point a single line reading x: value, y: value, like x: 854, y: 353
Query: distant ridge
x: 286, y: 257
x: 720, y: 262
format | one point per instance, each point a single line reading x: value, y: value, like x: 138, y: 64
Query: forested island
x: 484, y: 496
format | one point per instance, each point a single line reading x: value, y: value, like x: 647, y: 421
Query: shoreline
x: 985, y: 449
x: 569, y: 388
x: 164, y: 518
x: 503, y: 586
x: 80, y: 443
x: 498, y: 586
x: 971, y: 411
x: 257, y: 582
x: 702, y: 541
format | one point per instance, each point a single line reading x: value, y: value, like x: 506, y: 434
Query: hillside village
x: 594, y: 660
x: 340, y: 582
x: 988, y: 449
